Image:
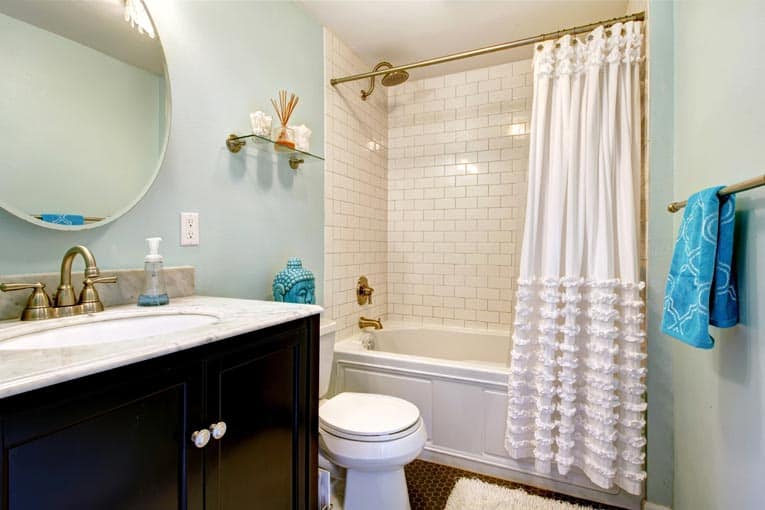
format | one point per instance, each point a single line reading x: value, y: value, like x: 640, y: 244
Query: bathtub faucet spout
x: 365, y: 323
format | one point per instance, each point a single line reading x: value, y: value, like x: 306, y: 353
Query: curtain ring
x: 540, y: 47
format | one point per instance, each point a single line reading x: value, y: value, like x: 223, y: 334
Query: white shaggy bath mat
x: 473, y: 494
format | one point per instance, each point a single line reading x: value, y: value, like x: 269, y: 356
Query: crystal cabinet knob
x: 218, y: 430
x: 200, y: 438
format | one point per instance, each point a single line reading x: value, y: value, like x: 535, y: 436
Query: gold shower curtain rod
x: 638, y: 16
x: 752, y: 183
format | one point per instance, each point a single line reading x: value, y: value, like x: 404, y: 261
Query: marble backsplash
x: 178, y: 280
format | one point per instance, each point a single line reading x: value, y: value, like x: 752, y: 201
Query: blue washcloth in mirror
x: 701, y: 284
x: 64, y: 219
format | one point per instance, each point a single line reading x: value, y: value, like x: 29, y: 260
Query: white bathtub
x: 458, y: 379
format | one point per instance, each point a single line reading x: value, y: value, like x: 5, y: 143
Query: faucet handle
x: 89, y: 298
x: 364, y: 291
x: 38, y: 304
x: 7, y: 287
x: 101, y: 279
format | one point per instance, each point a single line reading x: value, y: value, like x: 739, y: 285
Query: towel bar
x: 755, y: 182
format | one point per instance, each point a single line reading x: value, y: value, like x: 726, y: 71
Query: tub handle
x: 364, y: 291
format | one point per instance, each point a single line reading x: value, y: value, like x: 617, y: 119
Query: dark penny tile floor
x: 430, y: 485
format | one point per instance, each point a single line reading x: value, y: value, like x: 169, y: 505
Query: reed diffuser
x: 284, y: 137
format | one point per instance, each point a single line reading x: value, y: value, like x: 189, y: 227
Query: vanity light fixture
x: 136, y: 15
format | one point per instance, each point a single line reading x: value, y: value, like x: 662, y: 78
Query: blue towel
x: 64, y: 219
x: 701, y: 285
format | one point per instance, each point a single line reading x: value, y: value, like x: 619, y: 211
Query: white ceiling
x: 98, y: 24
x: 402, y: 32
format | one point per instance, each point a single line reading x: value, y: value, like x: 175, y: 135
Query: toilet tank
x: 326, y: 353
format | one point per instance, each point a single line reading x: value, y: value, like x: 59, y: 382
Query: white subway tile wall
x: 457, y: 166
x: 355, y: 190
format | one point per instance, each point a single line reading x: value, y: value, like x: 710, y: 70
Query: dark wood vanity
x: 122, y: 439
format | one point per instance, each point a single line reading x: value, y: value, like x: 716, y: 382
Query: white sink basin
x: 107, y: 331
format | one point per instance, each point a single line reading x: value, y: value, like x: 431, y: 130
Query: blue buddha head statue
x: 295, y: 284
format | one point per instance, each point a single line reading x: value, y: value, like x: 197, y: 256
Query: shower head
x: 388, y: 79
x: 394, y: 78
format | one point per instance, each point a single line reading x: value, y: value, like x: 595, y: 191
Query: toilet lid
x: 367, y: 414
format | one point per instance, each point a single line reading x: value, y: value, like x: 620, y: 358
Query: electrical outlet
x: 189, y: 229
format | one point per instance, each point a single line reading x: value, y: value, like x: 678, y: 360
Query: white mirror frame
x: 121, y: 212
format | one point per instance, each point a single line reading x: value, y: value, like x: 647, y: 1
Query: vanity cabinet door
x: 113, y: 441
x: 267, y: 396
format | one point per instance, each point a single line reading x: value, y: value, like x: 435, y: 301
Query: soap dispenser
x: 154, y: 293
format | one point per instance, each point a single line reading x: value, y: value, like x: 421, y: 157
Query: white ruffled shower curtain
x: 577, y: 372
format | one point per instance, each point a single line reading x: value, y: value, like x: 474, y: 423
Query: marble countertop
x: 25, y: 370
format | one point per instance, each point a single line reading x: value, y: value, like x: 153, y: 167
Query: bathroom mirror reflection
x: 84, y: 109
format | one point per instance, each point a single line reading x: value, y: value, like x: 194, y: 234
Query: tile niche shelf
x: 296, y: 157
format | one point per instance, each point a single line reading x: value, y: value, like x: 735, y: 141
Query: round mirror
x: 84, y: 110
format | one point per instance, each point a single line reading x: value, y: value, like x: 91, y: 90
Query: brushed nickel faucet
x: 39, y: 305
x: 365, y: 323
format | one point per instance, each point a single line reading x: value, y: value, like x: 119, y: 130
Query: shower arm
x: 368, y: 92
x: 638, y: 16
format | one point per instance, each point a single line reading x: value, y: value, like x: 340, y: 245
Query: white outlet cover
x: 189, y: 229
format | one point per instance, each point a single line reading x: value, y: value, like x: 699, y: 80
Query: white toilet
x: 371, y: 436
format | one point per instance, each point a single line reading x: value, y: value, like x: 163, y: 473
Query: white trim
x: 647, y: 505
x: 390, y: 369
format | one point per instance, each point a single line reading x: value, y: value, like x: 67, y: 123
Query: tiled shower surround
x: 425, y: 190
x: 457, y: 166
x: 355, y: 191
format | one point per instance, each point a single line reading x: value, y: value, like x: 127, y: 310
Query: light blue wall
x: 225, y: 59
x: 708, y: 123
x: 719, y: 395
x: 660, y: 241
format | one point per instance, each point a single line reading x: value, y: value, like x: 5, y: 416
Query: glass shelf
x: 296, y: 157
